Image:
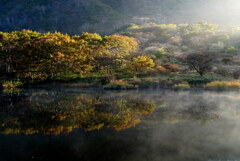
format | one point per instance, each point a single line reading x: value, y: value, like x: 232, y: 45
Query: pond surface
x: 144, y: 125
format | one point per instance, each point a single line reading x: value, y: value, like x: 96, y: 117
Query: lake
x: 136, y: 125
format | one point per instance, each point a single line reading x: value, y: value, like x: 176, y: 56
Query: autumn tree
x: 142, y: 62
x: 61, y: 53
x: 117, y: 51
x: 92, y: 46
x: 32, y: 55
x: 17, y: 52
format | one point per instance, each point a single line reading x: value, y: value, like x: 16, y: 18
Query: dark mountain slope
x: 104, y: 16
x: 71, y: 16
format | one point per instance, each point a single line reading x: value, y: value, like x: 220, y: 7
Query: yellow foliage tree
x: 142, y: 62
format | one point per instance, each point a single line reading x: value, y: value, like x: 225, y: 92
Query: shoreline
x: 101, y: 88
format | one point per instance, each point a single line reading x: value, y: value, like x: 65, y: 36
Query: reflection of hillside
x: 46, y: 115
x: 53, y: 113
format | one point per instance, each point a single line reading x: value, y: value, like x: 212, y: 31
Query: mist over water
x: 172, y: 125
x: 73, y: 124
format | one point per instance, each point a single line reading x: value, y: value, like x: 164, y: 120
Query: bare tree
x: 201, y: 61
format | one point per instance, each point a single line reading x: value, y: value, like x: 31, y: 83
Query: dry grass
x: 119, y: 84
x: 182, y: 86
x: 223, y: 85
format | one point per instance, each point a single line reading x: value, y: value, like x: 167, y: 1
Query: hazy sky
x: 224, y: 12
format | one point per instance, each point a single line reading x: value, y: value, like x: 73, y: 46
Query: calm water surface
x: 144, y: 125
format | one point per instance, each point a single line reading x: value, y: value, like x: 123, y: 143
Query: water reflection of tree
x: 187, y: 109
x: 55, y: 115
x: 50, y: 113
x: 201, y: 110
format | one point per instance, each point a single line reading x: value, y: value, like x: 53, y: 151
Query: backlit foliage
x: 142, y: 62
x: 32, y: 55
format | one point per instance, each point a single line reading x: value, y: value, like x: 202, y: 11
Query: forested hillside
x: 172, y: 54
x: 105, y: 16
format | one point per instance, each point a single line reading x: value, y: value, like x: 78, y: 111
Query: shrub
x: 136, y: 80
x: 161, y: 69
x: 199, y: 80
x: 119, y: 84
x: 176, y: 40
x: 222, y: 71
x: 184, y: 48
x: 182, y: 86
x: 143, y: 62
x: 148, y: 83
x: 105, y: 79
x: 164, y: 59
x: 223, y: 85
x: 227, y: 60
x: 12, y: 91
x: 11, y: 84
x: 236, y: 74
x: 160, y: 53
x: 132, y: 26
x: 171, y: 67
x: 232, y: 50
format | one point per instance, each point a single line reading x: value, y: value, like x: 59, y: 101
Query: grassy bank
x: 178, y: 82
x: 223, y: 85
